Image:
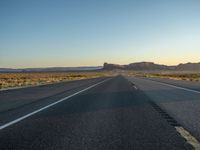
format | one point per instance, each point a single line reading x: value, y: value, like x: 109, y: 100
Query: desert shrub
x: 22, y: 79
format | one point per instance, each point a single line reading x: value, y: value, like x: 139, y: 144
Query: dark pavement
x: 110, y: 116
x: 181, y: 104
x: 17, y: 103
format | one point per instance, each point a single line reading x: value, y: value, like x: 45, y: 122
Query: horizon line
x: 92, y: 66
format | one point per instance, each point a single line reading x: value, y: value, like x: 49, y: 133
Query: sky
x: 52, y: 33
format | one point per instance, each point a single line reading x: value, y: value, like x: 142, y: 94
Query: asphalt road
x: 176, y: 98
x: 16, y: 103
x: 111, y: 115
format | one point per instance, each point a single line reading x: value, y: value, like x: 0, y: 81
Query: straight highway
x: 103, y: 113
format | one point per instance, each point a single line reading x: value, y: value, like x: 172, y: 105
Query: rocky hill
x: 189, y: 67
x: 153, y: 66
x: 143, y: 66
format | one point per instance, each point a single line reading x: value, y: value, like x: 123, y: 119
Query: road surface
x: 181, y: 99
x: 108, y: 114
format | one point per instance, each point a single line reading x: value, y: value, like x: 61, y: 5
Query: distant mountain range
x: 139, y: 66
x: 145, y: 66
x: 51, y: 69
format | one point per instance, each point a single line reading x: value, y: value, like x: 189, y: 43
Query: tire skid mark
x: 183, y: 132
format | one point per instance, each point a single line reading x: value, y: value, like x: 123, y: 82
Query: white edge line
x: 178, y: 87
x: 50, y: 105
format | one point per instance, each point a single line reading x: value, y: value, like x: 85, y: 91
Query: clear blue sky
x: 44, y: 33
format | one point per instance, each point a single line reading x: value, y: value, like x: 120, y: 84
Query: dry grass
x: 11, y: 80
x: 176, y: 76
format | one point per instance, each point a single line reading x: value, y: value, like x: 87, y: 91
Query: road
x: 108, y: 113
x: 181, y: 99
x: 16, y: 103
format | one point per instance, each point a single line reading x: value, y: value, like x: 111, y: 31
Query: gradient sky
x: 46, y: 33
